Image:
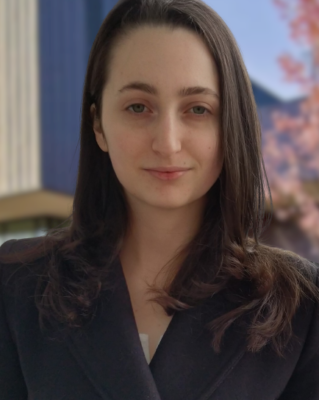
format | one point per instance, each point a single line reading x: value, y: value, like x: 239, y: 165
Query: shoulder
x: 17, y: 270
x: 308, y: 269
x: 306, y: 321
x: 19, y: 284
x: 289, y: 271
x: 14, y: 245
x: 307, y: 325
x: 314, y: 268
x: 288, y: 299
x: 302, y: 275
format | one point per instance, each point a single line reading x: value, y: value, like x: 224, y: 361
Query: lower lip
x: 167, y: 176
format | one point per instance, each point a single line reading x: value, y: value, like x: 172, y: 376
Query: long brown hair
x: 226, y: 253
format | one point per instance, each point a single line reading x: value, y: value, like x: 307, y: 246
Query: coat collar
x: 184, y: 366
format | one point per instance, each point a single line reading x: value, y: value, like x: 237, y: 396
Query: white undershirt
x: 145, y: 345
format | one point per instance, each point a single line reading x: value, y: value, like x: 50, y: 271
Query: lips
x: 168, y: 169
x: 167, y: 176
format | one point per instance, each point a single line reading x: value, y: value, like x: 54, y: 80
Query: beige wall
x: 35, y: 204
x: 20, y: 168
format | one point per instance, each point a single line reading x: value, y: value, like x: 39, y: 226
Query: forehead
x: 162, y: 56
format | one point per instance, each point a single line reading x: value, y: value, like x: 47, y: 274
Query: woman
x: 163, y: 243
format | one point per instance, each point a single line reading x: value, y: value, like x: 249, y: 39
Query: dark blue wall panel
x: 67, y: 30
x: 108, y: 5
x: 94, y: 15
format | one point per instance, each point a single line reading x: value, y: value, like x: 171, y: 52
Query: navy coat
x: 105, y: 359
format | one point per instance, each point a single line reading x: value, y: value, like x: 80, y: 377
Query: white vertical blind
x: 20, y: 168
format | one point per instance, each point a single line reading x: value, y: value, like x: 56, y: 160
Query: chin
x: 168, y: 204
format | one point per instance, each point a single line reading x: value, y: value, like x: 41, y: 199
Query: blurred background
x: 44, y: 48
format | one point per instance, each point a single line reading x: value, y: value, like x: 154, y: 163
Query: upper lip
x: 168, y: 169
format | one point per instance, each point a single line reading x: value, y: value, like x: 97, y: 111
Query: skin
x: 160, y: 130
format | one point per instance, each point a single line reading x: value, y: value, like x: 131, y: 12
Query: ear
x: 97, y: 128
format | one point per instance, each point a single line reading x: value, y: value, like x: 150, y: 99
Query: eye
x: 199, y: 108
x: 137, y: 108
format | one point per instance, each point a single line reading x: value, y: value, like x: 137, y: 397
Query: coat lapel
x: 184, y: 367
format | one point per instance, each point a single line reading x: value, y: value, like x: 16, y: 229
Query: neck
x: 155, y: 236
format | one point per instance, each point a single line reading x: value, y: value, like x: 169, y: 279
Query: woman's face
x: 151, y: 116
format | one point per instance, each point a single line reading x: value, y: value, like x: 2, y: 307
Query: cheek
x: 211, y: 160
x: 210, y: 150
x: 118, y: 141
x: 124, y: 151
x: 216, y: 156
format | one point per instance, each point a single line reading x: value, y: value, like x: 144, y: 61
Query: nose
x: 166, y: 138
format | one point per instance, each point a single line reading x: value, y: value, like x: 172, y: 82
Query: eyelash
x: 199, y: 115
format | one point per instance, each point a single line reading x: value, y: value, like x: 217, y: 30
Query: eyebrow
x: 184, y: 92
